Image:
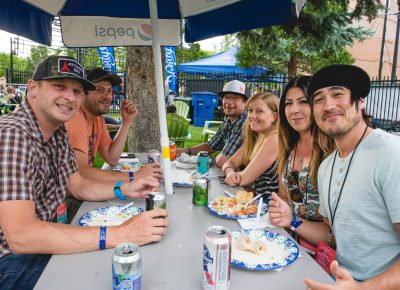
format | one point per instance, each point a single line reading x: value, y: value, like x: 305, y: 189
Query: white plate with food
x: 233, y: 207
x: 262, y: 250
x: 127, y: 166
x: 108, y: 216
x: 182, y: 178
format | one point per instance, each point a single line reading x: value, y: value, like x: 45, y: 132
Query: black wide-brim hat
x: 351, y: 77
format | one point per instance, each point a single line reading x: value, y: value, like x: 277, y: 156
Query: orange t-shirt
x: 87, y: 136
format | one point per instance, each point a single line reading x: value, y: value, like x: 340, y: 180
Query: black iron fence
x: 383, y: 102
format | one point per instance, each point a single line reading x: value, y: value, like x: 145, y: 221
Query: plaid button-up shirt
x: 229, y: 137
x: 32, y: 168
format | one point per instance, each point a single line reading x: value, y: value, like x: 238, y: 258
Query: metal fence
x: 382, y: 103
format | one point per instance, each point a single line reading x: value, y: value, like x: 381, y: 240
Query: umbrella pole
x: 160, y: 98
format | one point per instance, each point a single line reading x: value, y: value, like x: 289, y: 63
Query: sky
x: 5, y: 43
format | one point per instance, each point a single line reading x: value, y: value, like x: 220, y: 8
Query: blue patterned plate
x: 281, y: 251
x: 126, y: 166
x: 108, y: 216
x: 214, y: 211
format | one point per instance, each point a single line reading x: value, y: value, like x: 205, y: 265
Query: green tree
x: 193, y: 52
x: 314, y: 39
x: 19, y: 63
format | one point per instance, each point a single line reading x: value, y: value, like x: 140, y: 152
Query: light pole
x: 383, y: 41
x: 396, y: 43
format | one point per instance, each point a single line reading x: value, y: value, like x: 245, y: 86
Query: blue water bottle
x: 202, y: 162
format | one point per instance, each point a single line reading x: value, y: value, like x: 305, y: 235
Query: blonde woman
x: 297, y: 207
x: 259, y: 151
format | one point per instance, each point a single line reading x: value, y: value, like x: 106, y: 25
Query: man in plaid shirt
x: 228, y: 138
x: 38, y: 170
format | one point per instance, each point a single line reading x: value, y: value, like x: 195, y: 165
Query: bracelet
x: 117, y: 191
x: 131, y: 176
x: 226, y: 169
x: 295, y: 222
x: 190, y: 151
x: 102, y: 239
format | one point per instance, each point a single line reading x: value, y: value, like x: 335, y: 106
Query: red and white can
x: 153, y: 156
x: 217, y: 258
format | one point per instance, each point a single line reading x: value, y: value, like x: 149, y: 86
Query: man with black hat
x: 358, y: 183
x: 228, y: 138
x: 38, y: 170
x: 88, y: 132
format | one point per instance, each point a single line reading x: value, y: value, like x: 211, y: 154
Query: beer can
x: 217, y: 258
x: 153, y: 156
x: 155, y: 200
x: 127, y: 267
x: 172, y: 150
x: 202, y: 162
x: 200, y: 191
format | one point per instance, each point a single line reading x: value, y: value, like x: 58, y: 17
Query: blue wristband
x: 295, y: 222
x: 102, y: 239
x: 131, y: 176
x: 117, y: 191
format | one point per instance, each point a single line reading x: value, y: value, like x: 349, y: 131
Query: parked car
x: 22, y: 91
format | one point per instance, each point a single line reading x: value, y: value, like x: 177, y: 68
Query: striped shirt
x: 267, y: 182
x: 32, y: 168
x: 229, y: 137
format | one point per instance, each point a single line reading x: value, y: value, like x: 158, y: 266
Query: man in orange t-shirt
x: 88, y: 132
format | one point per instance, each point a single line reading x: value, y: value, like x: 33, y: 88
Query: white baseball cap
x: 234, y: 87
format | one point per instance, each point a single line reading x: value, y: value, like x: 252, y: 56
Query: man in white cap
x: 228, y: 138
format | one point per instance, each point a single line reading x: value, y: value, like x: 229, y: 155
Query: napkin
x: 251, y: 223
x: 186, y: 158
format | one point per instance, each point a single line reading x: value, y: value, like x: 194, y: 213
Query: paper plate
x: 281, y: 251
x: 108, y: 216
x: 264, y: 210
x: 126, y: 166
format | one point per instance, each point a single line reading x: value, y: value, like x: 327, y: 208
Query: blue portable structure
x: 223, y: 63
x: 204, y: 104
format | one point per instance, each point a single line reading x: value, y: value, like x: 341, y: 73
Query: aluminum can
x: 155, y: 200
x: 153, y: 156
x: 200, y: 191
x: 203, y: 158
x: 172, y: 150
x: 217, y: 258
x: 127, y: 267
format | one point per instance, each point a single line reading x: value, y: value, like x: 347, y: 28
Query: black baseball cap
x: 60, y: 67
x: 351, y: 77
x: 98, y: 74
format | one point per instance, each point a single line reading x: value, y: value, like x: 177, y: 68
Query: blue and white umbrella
x: 93, y: 23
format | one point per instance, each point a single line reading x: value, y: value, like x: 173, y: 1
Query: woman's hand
x: 233, y: 178
x: 280, y: 212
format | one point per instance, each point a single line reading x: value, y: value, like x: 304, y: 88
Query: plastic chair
x: 177, y: 128
x: 182, y: 109
x: 207, y: 132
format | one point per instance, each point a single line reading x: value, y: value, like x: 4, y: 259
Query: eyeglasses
x: 103, y: 91
x: 91, y: 149
x: 294, y: 189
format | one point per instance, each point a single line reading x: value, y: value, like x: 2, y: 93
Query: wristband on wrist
x: 295, y: 222
x: 102, y: 239
x: 117, y: 191
x: 227, y: 168
x: 131, y: 176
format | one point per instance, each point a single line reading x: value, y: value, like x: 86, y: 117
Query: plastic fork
x: 229, y: 194
x: 251, y: 200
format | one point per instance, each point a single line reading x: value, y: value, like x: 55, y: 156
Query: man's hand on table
x: 139, y: 188
x: 153, y: 169
x: 146, y: 227
x: 344, y: 281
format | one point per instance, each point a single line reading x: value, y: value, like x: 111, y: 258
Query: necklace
x: 344, y: 180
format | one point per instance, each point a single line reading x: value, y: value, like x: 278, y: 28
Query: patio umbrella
x: 92, y: 23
